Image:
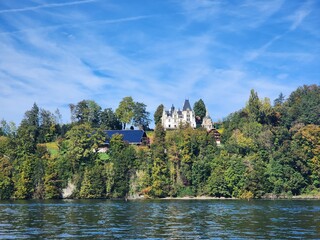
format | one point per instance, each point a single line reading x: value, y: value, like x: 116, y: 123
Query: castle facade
x: 171, y: 119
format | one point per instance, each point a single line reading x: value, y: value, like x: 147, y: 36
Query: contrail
x: 45, y: 6
x: 106, y: 21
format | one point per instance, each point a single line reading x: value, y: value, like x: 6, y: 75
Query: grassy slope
x: 52, y: 148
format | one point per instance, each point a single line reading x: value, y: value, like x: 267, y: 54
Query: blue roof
x: 130, y: 136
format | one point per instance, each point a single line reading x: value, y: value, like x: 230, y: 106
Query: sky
x: 59, y: 52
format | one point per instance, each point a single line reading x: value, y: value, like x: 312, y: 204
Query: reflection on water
x: 160, y: 219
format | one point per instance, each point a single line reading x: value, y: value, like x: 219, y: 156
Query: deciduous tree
x: 141, y: 116
x: 125, y: 110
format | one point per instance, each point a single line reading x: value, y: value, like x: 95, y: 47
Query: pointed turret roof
x: 207, y: 113
x: 186, y: 105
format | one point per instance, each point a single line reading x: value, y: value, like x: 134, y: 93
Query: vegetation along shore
x: 265, y: 150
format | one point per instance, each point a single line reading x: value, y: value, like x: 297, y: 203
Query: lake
x: 160, y: 219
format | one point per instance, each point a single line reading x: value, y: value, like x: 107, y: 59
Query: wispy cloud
x: 87, y: 23
x: 257, y: 13
x: 157, y: 53
x: 298, y: 17
x: 200, y: 10
x: 252, y: 55
x: 50, y: 5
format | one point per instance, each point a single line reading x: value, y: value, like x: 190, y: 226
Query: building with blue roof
x: 133, y: 137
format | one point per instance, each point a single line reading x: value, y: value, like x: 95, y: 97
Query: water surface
x: 160, y: 219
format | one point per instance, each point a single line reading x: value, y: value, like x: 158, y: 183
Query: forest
x: 267, y: 149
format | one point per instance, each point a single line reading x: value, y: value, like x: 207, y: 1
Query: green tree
x: 141, y: 116
x: 23, y: 180
x: 6, y: 183
x: 31, y: 117
x: 158, y: 114
x: 109, y: 120
x: 52, y: 181
x: 227, y: 176
x: 200, y: 110
x: 7, y: 129
x: 204, y: 153
x: 173, y: 140
x: 47, y: 128
x: 93, y: 184
x: 255, y: 177
x: 266, y: 111
x: 279, y: 100
x: 201, y: 171
x: 239, y: 143
x: 110, y: 177
x: 303, y: 106
x: 86, y: 111
x: 159, y: 169
x: 39, y: 165
x: 217, y: 185
x: 306, y: 150
x: 83, y: 142
x: 283, y: 173
x: 186, y: 157
x: 125, y: 110
x: 141, y: 179
x: 122, y: 156
x: 234, y: 176
x: 254, y: 106
x: 28, y: 130
x: 26, y: 140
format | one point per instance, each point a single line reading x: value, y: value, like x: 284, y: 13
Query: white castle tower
x: 207, y: 121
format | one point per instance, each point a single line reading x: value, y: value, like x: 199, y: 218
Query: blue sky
x: 157, y: 51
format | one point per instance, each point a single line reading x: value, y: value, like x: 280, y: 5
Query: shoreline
x: 198, y: 198
x: 267, y: 197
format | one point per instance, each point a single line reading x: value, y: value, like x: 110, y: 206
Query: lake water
x: 160, y: 219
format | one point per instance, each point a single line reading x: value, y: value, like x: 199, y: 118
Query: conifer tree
x: 52, y: 182
x: 121, y: 156
x: 199, y: 109
x: 160, y: 168
x: 158, y: 114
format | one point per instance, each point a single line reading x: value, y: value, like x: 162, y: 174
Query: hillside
x: 267, y: 150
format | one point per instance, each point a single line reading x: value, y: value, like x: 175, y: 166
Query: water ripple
x: 157, y: 219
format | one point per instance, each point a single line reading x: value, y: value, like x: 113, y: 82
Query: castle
x: 173, y: 118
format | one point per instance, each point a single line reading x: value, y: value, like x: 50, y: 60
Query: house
x: 133, y: 137
x: 216, y: 135
x: 171, y: 119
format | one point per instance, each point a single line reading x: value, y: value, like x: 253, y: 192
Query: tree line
x: 267, y: 149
